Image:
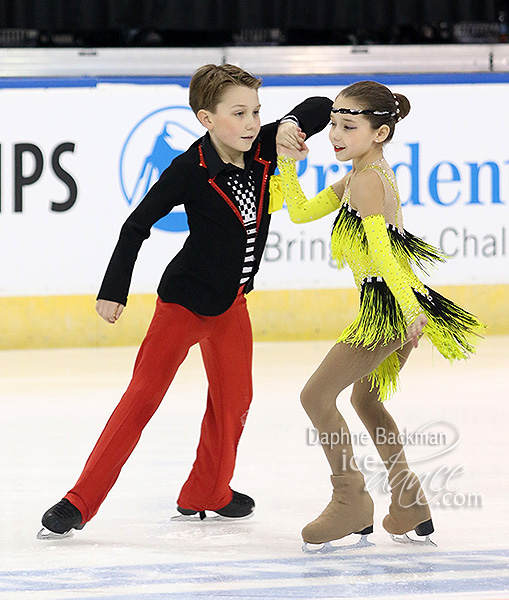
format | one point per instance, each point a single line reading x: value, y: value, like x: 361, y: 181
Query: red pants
x: 226, y: 345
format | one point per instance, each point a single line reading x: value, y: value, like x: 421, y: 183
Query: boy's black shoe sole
x: 240, y: 506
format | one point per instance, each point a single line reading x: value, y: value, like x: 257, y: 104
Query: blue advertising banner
x: 75, y: 160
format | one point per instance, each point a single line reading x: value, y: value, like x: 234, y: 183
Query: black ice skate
x: 59, y: 521
x: 240, y: 506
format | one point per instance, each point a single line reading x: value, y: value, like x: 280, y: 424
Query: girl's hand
x: 292, y: 152
x: 414, y: 330
x: 109, y: 311
x: 290, y: 136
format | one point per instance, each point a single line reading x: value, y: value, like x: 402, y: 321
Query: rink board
x: 67, y: 321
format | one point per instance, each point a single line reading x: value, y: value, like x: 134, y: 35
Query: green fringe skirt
x: 450, y: 328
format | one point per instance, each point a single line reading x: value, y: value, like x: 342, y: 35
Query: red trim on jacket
x: 202, y: 158
x: 219, y: 190
x: 229, y: 202
x: 266, y: 165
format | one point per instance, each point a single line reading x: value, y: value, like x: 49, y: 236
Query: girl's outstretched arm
x: 286, y: 187
x: 367, y: 196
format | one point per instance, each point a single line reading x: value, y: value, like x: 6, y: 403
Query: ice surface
x: 54, y: 404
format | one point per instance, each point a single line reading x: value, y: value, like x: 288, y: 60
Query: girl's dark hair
x: 372, y: 95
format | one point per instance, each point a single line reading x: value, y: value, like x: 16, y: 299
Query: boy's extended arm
x: 312, y: 115
x: 164, y: 195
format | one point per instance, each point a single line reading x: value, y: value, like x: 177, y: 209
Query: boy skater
x: 222, y: 181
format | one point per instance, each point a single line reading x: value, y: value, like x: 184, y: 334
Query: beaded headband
x: 366, y: 111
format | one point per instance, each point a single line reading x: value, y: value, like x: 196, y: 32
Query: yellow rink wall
x: 71, y: 321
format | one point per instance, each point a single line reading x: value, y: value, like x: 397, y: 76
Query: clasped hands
x: 290, y: 141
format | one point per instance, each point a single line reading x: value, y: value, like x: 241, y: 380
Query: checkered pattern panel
x: 245, y: 196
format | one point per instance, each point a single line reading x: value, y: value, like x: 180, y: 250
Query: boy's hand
x: 290, y: 136
x: 109, y: 311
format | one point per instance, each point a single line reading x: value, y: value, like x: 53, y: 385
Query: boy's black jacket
x: 204, y: 276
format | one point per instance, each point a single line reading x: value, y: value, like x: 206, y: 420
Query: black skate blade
x: 208, y: 518
x: 196, y: 517
x: 406, y: 539
x: 46, y: 534
x: 329, y: 548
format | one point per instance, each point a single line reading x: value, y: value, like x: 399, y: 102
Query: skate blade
x: 208, y: 519
x: 405, y: 539
x: 46, y: 534
x: 328, y: 548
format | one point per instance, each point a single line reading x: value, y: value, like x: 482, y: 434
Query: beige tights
x: 345, y: 365
x: 376, y: 417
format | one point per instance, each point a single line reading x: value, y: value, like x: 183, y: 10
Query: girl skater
x: 395, y: 310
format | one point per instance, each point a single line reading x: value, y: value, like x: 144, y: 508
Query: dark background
x: 247, y: 22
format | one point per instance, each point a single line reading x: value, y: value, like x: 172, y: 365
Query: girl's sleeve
x: 286, y: 187
x: 394, y: 276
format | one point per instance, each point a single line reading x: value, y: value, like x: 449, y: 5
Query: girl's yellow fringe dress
x: 381, y: 256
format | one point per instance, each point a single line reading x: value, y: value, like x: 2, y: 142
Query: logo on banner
x: 149, y: 148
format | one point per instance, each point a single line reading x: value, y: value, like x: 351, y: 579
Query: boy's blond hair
x: 210, y: 82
